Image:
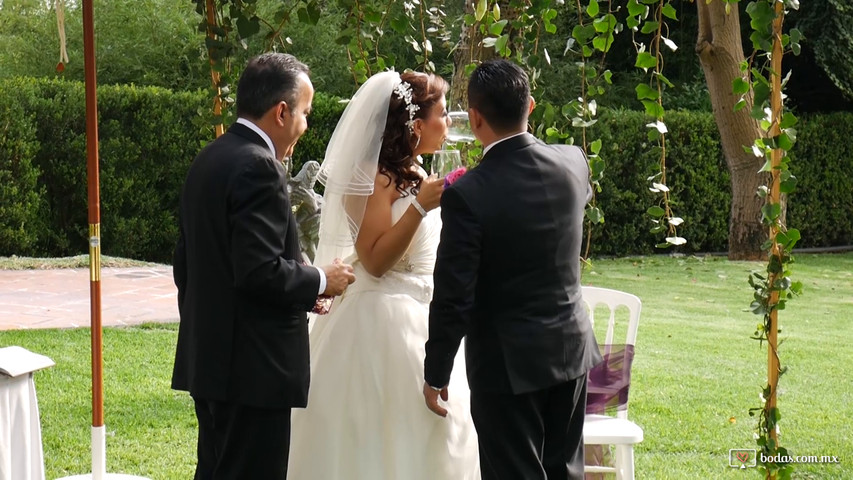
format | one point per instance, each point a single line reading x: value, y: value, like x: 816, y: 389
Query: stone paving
x: 60, y: 298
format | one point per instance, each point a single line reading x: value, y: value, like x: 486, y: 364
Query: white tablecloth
x: 21, y: 456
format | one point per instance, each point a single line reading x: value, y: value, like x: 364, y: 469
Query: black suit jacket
x: 243, y: 291
x: 507, y: 274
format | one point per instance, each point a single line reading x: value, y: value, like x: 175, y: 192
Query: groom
x: 507, y: 278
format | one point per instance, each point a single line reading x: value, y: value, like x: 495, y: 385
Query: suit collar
x: 254, y: 135
x: 492, y: 145
x: 504, y: 147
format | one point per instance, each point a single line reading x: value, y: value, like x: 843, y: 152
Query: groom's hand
x: 431, y: 397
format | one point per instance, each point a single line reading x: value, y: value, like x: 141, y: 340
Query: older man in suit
x: 243, y: 290
x: 507, y: 277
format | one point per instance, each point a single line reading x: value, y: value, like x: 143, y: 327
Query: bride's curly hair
x: 396, y: 156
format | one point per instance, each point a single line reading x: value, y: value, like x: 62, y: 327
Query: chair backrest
x: 609, y: 381
x: 613, y: 299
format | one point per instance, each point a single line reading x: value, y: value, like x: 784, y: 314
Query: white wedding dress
x: 366, y: 417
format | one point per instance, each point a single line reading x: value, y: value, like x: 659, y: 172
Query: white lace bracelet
x: 418, y: 207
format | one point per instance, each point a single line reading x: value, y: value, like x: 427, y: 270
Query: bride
x: 365, y: 417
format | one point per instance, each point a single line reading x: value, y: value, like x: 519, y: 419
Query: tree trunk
x: 470, y: 49
x: 720, y: 54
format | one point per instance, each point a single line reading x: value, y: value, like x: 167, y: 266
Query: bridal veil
x: 349, y: 169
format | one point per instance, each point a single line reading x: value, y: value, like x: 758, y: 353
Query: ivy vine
x: 762, y: 75
x: 227, y: 24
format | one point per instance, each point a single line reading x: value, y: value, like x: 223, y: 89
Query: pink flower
x: 453, y: 176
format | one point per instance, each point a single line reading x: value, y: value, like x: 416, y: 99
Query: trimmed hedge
x: 822, y: 160
x: 149, y: 136
x: 696, y: 175
x: 22, y: 199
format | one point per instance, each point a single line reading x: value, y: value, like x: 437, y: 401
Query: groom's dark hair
x: 500, y: 91
x: 268, y: 79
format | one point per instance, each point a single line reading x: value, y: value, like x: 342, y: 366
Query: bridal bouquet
x: 453, y: 176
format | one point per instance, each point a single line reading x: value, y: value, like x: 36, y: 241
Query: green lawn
x: 695, y: 375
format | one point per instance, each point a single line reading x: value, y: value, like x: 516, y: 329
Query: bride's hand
x: 430, y: 192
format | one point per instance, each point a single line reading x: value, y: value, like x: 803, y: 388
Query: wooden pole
x: 93, y: 180
x: 214, y: 75
x: 775, y: 198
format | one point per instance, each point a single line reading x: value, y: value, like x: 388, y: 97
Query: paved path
x: 60, y: 298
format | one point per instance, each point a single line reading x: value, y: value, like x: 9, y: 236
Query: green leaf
x: 788, y: 120
x: 595, y: 147
x: 247, y: 27
x: 314, y: 13
x: 771, y: 211
x: 669, y: 11
x: 646, y: 92
x: 788, y: 185
x: 653, y: 109
x: 594, y: 215
x: 656, y: 211
x: 582, y: 33
x: 785, y: 142
x: 596, y: 168
x: 645, y: 60
x: 653, y: 135
x: 496, y: 12
x: 373, y: 16
x: 592, y: 9
x: 497, y: 27
x: 480, y: 11
x: 608, y: 77
x: 635, y: 9
x: 650, y: 27
x: 739, y: 105
x: 740, y: 86
x: 602, y: 43
x: 664, y: 80
x: 795, y: 37
x: 501, y: 45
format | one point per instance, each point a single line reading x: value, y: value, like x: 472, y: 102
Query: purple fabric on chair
x: 607, y: 387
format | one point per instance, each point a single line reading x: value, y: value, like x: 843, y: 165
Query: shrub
x: 21, y: 198
x: 149, y: 136
x: 822, y: 159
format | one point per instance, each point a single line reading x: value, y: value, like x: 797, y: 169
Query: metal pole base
x: 99, y: 460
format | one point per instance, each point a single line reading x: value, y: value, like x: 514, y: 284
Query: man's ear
x: 531, y: 106
x: 283, y: 111
x: 474, y: 118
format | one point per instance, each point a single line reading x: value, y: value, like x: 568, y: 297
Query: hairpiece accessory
x: 404, y: 93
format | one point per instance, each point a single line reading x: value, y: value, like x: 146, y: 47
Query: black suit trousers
x: 238, y: 442
x: 531, y: 436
